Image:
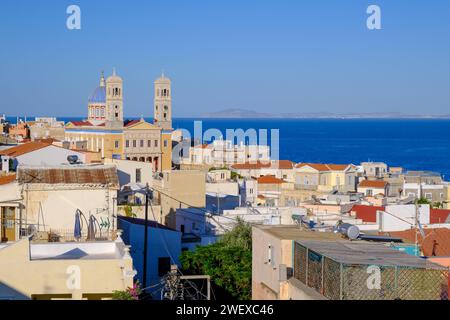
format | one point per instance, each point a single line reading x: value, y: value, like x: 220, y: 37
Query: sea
x: 414, y: 144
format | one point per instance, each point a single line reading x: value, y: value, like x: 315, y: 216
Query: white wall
x: 402, y: 217
x: 49, y: 156
x: 229, y: 188
x: 59, y: 206
x: 161, y: 243
x: 126, y: 171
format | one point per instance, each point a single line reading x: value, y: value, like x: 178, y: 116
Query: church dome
x: 98, y: 96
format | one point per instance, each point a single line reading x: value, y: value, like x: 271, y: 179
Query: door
x: 8, y: 224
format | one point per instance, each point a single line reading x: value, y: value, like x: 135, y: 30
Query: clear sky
x: 268, y: 56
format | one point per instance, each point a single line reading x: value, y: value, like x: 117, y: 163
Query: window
x: 369, y: 192
x: 142, y: 143
x: 163, y: 266
x: 149, y: 143
x: 127, y: 143
x: 134, y: 143
x: 165, y: 143
x: 138, y: 175
x: 182, y: 228
x: 116, y: 144
x: 156, y: 143
x: 429, y: 196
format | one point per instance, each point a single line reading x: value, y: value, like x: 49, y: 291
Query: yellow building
x: 106, y: 132
x: 325, y: 177
x: 166, y: 150
x: 447, y: 196
x: 108, y: 142
x: 142, y: 143
x: 71, y: 270
x: 179, y: 189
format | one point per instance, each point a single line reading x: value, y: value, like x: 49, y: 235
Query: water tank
x: 72, y: 159
x: 349, y: 230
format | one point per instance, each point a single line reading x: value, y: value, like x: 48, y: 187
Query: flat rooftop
x: 99, y: 250
x: 293, y: 232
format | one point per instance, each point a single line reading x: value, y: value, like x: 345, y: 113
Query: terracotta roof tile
x: 7, y: 179
x: 439, y: 215
x: 23, y: 149
x: 436, y: 241
x: 366, y: 213
x: 81, y: 123
x: 131, y: 122
x: 373, y: 184
x: 270, y: 180
x: 281, y: 164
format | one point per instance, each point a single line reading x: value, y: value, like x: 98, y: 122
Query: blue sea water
x: 415, y: 144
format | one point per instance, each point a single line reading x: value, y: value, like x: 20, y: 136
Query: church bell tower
x: 163, y: 103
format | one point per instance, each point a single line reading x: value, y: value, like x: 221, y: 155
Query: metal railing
x: 67, y: 235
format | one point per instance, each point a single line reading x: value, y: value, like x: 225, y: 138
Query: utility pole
x: 144, y: 273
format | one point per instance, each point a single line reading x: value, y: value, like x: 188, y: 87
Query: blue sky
x: 268, y: 56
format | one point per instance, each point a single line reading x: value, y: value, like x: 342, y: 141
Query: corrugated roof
x: 365, y: 253
x: 24, y: 148
x: 94, y: 175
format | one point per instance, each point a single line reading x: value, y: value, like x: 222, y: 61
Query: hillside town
x: 93, y: 208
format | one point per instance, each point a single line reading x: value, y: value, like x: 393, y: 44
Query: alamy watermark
x: 73, y: 281
x: 374, y: 20
x: 233, y: 146
x: 73, y: 21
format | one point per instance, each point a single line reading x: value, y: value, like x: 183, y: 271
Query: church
x: 105, y: 131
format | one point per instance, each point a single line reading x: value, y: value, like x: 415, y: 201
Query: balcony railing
x: 67, y: 235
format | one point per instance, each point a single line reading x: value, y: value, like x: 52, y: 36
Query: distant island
x: 251, y: 114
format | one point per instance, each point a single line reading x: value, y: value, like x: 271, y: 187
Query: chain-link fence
x: 343, y: 281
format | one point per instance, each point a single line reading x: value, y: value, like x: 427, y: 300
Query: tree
x: 423, y: 200
x: 228, y: 261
